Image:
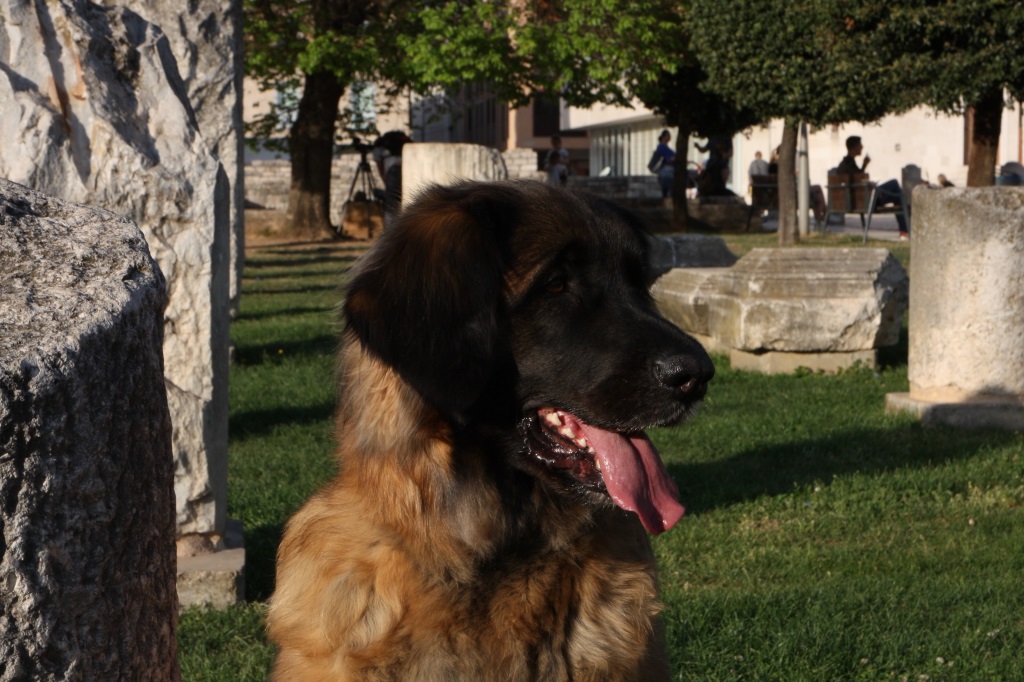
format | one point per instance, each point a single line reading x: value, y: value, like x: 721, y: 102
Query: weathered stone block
x: 206, y: 38
x: 87, y: 554
x: 443, y: 163
x: 95, y: 111
x: 966, y: 355
x: 803, y: 301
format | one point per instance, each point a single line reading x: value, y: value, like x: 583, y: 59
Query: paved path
x: 883, y: 227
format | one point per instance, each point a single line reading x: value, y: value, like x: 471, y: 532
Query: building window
x: 546, y: 116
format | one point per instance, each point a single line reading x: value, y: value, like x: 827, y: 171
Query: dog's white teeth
x: 597, y: 464
x: 582, y: 442
x: 567, y: 432
x: 553, y: 418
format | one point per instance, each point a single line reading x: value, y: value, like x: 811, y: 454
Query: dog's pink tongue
x: 635, y: 477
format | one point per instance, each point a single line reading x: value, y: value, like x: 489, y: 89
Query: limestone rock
x: 87, y: 553
x: 206, y: 39
x: 803, y: 301
x: 967, y: 295
x: 95, y: 111
x: 966, y: 355
x: 443, y: 163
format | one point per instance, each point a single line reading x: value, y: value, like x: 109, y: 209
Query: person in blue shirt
x: 667, y: 171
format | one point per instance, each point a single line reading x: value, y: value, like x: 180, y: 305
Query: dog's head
x: 527, y: 307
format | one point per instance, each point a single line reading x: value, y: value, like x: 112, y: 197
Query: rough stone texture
x: 424, y: 163
x: 797, y: 301
x: 967, y: 305
x: 689, y: 251
x: 212, y: 579
x: 87, y: 525
x: 268, y: 182
x: 522, y: 162
x: 95, y: 111
x: 206, y: 38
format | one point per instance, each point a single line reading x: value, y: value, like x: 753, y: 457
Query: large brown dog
x: 503, y: 356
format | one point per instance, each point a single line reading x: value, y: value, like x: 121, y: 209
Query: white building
x: 622, y: 140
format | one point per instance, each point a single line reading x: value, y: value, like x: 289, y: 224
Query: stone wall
x: 522, y: 162
x: 87, y: 558
x: 267, y: 183
x: 620, y: 188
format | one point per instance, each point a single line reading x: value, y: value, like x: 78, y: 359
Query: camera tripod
x: 363, y: 190
x: 364, y: 179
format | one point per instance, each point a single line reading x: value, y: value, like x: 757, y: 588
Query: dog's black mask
x: 526, y: 308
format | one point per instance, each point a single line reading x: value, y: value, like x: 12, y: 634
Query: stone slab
x: 775, y: 362
x: 979, y: 412
x: 425, y: 163
x: 815, y: 300
x: 215, y: 580
x: 212, y: 575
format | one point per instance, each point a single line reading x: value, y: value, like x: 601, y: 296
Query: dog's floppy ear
x: 428, y: 296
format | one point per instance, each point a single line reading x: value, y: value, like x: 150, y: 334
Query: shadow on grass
x: 267, y: 314
x: 895, y: 355
x: 776, y: 470
x: 270, y: 291
x: 255, y: 423
x: 260, y: 560
x: 264, y: 278
x: 297, y: 261
x: 248, y: 356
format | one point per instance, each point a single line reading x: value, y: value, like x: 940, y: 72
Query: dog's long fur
x: 443, y: 550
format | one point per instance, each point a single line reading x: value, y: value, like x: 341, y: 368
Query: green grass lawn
x: 824, y: 539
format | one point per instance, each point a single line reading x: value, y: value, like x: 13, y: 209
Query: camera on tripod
x: 363, y: 211
x: 363, y: 148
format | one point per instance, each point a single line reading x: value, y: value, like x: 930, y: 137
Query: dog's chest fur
x: 581, y: 611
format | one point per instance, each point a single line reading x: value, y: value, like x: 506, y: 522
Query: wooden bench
x: 856, y: 193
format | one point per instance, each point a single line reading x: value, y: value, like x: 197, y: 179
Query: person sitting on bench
x: 888, y: 192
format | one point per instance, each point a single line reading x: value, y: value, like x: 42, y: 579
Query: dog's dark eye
x: 556, y: 285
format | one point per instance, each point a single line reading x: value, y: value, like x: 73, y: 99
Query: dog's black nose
x: 688, y: 374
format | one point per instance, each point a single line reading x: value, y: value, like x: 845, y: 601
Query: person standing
x: 757, y: 167
x: 664, y: 159
x: 557, y: 163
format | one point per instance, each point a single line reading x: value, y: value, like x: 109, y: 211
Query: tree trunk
x: 988, y: 120
x: 788, y: 234
x: 311, y: 144
x: 680, y: 209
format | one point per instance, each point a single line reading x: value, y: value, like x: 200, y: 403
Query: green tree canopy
x: 953, y: 55
x: 792, y: 60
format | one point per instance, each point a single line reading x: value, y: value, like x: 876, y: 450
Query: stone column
x: 87, y: 520
x: 206, y: 38
x: 95, y: 111
x: 444, y: 163
x: 966, y: 356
